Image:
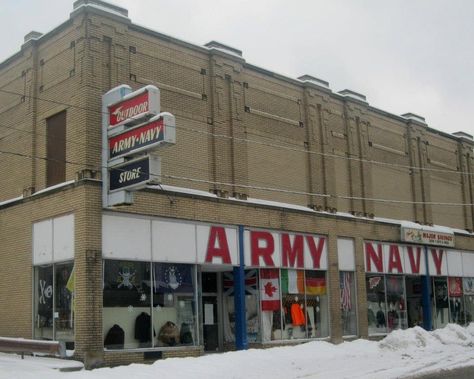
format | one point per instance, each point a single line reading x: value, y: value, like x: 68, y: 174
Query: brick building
x: 286, y: 211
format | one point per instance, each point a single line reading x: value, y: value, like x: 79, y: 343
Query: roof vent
x: 108, y: 7
x: 414, y: 117
x: 464, y: 135
x: 314, y: 80
x: 32, y: 36
x: 354, y: 95
x: 220, y: 46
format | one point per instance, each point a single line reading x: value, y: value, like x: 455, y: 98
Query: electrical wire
x: 271, y: 189
x: 246, y: 140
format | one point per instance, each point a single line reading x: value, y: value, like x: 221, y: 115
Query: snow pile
x: 402, y: 354
x: 454, y: 334
x: 413, y: 338
x: 418, y: 338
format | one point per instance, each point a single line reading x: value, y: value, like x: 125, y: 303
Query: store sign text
x: 427, y: 237
x: 402, y: 259
x: 269, y: 249
x: 262, y: 249
x: 159, y: 131
x: 138, y: 104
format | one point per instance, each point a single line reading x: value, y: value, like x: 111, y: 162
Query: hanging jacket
x: 114, y: 338
x: 297, y: 315
x: 143, y: 327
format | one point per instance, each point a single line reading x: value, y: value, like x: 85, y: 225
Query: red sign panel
x: 160, y: 130
x: 136, y: 138
x: 135, y: 106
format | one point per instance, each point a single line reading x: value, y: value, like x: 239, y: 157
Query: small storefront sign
x: 135, y: 174
x: 427, y: 237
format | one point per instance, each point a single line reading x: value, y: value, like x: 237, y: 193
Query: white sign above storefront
x: 166, y: 240
x: 427, y: 237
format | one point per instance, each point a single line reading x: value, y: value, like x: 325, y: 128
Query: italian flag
x: 269, y: 289
x: 292, y: 281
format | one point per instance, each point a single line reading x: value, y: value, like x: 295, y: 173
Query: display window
x: 251, y: 306
x: 396, y: 305
x: 456, y: 303
x: 148, y: 305
x: 468, y: 296
x: 64, y: 301
x: 54, y: 302
x: 413, y: 289
x: 348, y: 303
x: 294, y: 313
x: 174, y: 304
x: 441, y: 302
x: 317, y: 306
x: 293, y: 304
x: 387, y: 303
x: 376, y: 304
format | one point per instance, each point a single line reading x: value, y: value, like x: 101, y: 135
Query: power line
x: 246, y: 140
x: 272, y: 189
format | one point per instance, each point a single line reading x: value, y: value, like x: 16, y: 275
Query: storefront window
x: 295, y: 306
x: 270, y: 303
x: 376, y: 304
x: 413, y: 286
x: 126, y: 312
x: 44, y: 302
x: 64, y: 302
x: 468, y: 292
x: 456, y: 306
x: 396, y: 305
x: 148, y: 305
x: 295, y: 315
x: 317, y: 303
x: 174, y: 305
x: 348, y: 302
x: 441, y: 303
x: 251, y: 306
x: 54, y: 302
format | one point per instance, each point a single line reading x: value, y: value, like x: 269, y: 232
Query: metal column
x: 241, y: 342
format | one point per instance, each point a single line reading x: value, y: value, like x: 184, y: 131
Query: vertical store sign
x: 132, y: 130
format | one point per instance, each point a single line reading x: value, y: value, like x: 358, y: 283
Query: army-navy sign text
x: 159, y: 130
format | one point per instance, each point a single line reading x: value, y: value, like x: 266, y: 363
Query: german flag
x: 315, y: 283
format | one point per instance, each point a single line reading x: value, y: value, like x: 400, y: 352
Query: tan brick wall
x: 236, y: 124
x: 238, y: 127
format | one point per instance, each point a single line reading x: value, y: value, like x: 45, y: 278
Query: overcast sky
x: 404, y: 55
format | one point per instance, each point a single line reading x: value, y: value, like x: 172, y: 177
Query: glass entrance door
x: 414, y: 290
x: 210, y: 324
x: 211, y: 314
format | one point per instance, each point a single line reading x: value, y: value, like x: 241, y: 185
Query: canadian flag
x: 269, y: 289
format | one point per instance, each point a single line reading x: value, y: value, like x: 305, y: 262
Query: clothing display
x: 455, y: 306
x: 297, y: 315
x: 380, y: 316
x: 169, y: 334
x: 143, y: 327
x: 115, y: 338
x: 185, y: 335
x: 392, y: 319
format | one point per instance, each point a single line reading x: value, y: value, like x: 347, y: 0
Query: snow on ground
x: 403, y: 353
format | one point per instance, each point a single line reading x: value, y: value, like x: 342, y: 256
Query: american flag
x: 346, y: 280
x: 250, y: 283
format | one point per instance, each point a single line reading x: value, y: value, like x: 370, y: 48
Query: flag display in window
x: 346, y: 283
x: 269, y: 289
